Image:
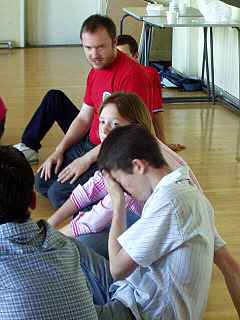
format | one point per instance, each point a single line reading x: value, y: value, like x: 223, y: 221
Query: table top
x: 140, y: 12
x: 188, y: 22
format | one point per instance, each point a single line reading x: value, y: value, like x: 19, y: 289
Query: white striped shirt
x: 173, y: 244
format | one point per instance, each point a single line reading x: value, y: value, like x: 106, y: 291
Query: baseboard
x: 229, y: 100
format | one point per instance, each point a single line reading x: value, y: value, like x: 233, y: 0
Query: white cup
x: 182, y: 8
x: 172, y: 17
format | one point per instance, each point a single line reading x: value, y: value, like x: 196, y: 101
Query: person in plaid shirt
x: 40, y: 272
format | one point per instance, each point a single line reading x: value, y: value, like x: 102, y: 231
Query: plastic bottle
x: 174, y: 6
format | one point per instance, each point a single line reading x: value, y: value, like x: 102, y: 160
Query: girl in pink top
x: 117, y: 110
x: 3, y: 111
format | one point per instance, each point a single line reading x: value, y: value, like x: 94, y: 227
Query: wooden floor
x: 209, y: 132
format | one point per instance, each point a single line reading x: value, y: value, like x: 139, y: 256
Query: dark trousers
x: 2, y: 125
x: 99, y: 279
x: 55, y: 106
x: 57, y: 192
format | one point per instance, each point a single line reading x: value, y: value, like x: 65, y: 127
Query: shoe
x: 30, y: 154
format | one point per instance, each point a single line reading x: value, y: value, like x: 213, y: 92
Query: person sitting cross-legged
x: 40, y: 271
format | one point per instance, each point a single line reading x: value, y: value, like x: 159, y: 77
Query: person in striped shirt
x: 162, y: 264
x: 95, y: 220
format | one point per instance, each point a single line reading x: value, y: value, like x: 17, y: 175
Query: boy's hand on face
x: 116, y: 192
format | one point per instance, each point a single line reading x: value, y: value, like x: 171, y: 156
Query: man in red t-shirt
x: 112, y: 71
x: 129, y: 46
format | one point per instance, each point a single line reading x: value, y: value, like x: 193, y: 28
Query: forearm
x: 158, y: 123
x: 118, y: 226
x: 78, y: 129
x: 92, y: 155
x: 67, y: 210
x: 230, y: 269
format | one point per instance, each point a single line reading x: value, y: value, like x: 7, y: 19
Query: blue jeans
x: 99, y: 280
x: 99, y: 241
x: 57, y: 192
x: 55, y: 107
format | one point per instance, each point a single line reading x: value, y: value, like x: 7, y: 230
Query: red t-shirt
x: 124, y: 75
x: 157, y: 104
x: 3, y: 110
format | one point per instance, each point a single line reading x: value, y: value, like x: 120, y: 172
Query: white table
x: 192, y: 19
x: 190, y: 22
x: 139, y: 13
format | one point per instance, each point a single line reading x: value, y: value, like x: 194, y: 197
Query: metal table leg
x: 142, y: 49
x: 238, y: 31
x: 148, y: 43
x: 238, y: 137
x: 205, y: 48
x: 212, y: 66
x: 122, y: 21
x: 203, y: 64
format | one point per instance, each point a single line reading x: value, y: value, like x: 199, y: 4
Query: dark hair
x: 130, y: 41
x: 131, y: 108
x: 16, y: 186
x: 97, y: 21
x: 124, y: 144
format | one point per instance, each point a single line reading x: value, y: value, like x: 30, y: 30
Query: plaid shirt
x: 40, y: 275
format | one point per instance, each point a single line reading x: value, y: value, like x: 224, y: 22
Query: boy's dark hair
x: 124, y: 144
x: 16, y: 186
x: 130, y: 41
x: 97, y: 21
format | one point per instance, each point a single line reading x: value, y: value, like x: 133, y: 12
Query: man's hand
x: 176, y: 147
x: 74, y: 170
x: 55, y: 159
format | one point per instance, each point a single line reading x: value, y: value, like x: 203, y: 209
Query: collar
x: 14, y: 230
x: 180, y: 174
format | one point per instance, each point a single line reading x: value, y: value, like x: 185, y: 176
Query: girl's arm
x: 100, y: 216
x: 67, y: 230
x: 94, y: 220
x: 66, y: 211
x: 81, y: 197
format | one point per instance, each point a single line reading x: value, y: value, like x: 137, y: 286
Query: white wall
x: 55, y: 22
x: 12, y: 21
x: 189, y: 43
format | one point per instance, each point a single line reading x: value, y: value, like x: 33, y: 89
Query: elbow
x: 118, y: 273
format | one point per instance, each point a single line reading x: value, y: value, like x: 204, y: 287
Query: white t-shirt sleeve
x: 218, y: 241
x: 154, y: 235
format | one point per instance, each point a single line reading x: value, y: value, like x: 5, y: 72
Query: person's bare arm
x: 64, y: 212
x: 158, y: 123
x: 230, y: 269
x: 78, y: 129
x: 67, y: 230
x: 121, y: 264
